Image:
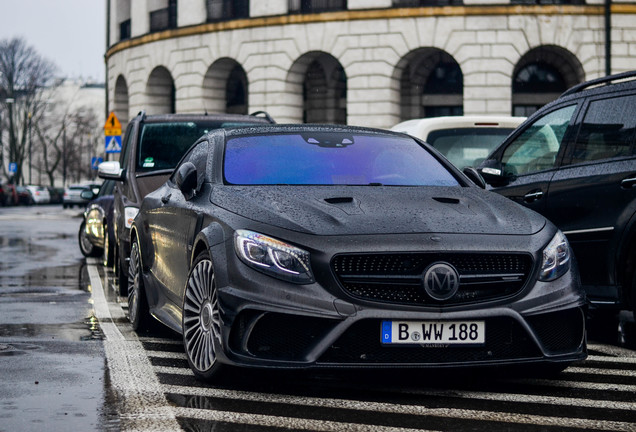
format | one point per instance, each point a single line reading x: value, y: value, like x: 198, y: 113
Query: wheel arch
x: 207, y: 238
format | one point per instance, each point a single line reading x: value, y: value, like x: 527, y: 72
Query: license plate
x: 434, y: 332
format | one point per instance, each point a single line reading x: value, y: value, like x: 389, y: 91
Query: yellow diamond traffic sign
x: 112, y: 127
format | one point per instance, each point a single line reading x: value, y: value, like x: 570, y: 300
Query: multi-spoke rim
x: 133, y: 283
x: 201, y: 319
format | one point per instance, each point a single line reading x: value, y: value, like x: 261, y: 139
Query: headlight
x: 130, y: 213
x: 273, y: 257
x: 556, y: 258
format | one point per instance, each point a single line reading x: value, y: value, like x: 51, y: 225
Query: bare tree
x: 23, y: 76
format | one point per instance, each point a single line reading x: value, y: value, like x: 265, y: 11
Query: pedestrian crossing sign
x: 113, y: 144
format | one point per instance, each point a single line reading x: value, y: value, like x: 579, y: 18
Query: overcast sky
x: 70, y: 33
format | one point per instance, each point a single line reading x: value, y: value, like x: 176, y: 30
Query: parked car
x: 73, y: 194
x: 8, y: 195
x: 24, y: 195
x: 96, y: 235
x: 464, y: 140
x: 39, y: 194
x: 151, y: 149
x: 56, y: 194
x: 574, y: 161
x: 295, y: 246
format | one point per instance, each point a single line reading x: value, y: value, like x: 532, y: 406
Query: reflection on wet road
x: 52, y: 362
x: 69, y: 360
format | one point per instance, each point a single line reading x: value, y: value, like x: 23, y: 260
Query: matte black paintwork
x: 329, y: 220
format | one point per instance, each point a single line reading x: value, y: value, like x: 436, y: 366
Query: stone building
x: 359, y: 62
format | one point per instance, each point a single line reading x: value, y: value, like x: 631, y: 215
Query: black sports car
x: 321, y: 246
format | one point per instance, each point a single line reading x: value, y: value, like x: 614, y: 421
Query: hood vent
x: 339, y: 200
x: 446, y: 200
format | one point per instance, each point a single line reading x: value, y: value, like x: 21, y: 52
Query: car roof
x: 421, y: 128
x: 298, y: 128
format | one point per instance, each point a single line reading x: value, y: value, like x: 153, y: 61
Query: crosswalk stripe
x: 284, y: 422
x: 418, y: 410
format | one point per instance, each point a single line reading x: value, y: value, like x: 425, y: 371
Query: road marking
x: 134, y: 376
x: 102, y: 312
x: 285, y: 422
x: 142, y: 405
x: 368, y: 406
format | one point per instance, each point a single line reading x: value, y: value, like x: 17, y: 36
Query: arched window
x: 225, y: 87
x: 160, y: 92
x: 541, y: 76
x: 120, y: 104
x: 325, y: 91
x: 431, y: 85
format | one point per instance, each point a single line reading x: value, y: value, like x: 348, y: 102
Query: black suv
x: 151, y: 148
x: 574, y: 161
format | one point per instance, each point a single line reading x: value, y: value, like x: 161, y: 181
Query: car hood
x: 358, y: 210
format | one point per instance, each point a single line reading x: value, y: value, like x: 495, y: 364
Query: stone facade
x: 371, y: 43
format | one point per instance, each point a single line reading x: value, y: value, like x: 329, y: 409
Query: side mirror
x: 87, y: 195
x: 110, y: 170
x: 492, y: 172
x: 475, y: 177
x: 186, y: 179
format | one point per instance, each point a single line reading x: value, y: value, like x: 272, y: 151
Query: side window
x: 538, y: 145
x: 607, y: 130
x: 198, y: 155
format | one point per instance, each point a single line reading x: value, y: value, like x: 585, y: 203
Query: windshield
x: 161, y: 145
x: 332, y: 158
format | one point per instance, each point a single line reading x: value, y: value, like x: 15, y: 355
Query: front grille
x: 397, y: 278
x: 570, y: 325
x: 360, y: 344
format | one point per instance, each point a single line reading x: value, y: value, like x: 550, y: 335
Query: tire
x: 201, y: 322
x: 108, y: 249
x: 86, y: 247
x: 138, y: 311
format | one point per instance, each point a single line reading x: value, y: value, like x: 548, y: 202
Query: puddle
x: 73, y: 332
x: 14, y: 349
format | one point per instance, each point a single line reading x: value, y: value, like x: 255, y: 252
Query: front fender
x: 209, y: 237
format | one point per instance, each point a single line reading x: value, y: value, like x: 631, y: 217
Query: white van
x: 464, y: 140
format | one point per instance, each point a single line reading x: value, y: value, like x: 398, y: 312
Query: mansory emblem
x: 441, y: 280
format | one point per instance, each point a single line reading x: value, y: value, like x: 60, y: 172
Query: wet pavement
x: 53, y: 367
x: 52, y: 361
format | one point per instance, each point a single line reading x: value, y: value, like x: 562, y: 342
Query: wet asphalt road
x: 54, y: 374
x: 52, y: 363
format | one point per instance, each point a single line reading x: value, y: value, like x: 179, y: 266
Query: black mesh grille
x: 397, y: 278
x: 360, y: 344
x: 570, y: 326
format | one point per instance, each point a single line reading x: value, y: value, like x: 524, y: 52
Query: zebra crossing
x: 596, y: 394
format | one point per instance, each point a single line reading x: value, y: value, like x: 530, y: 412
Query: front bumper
x: 271, y: 323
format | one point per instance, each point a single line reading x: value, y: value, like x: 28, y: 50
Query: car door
x: 529, y: 159
x: 593, y: 194
x: 171, y: 225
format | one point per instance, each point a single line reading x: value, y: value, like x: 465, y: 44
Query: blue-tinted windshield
x: 332, y: 158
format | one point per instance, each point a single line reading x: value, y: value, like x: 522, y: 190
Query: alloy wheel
x: 201, y: 319
x: 134, y: 284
